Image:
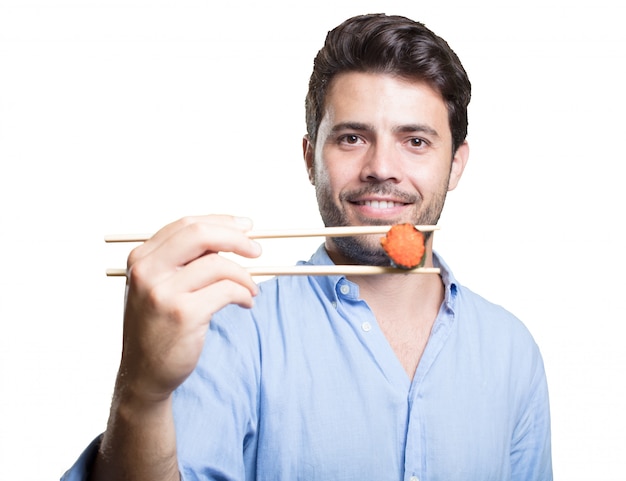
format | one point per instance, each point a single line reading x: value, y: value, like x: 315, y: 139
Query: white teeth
x: 381, y: 204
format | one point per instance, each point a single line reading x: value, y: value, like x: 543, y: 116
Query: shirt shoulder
x: 469, y: 308
x: 491, y: 319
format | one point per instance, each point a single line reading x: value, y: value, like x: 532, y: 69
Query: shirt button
x: 344, y: 289
x: 334, y: 304
x: 366, y: 326
x: 414, y: 478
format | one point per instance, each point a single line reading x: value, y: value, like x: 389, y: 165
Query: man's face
x: 383, y: 156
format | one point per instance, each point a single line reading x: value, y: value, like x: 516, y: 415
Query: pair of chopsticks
x: 306, y: 270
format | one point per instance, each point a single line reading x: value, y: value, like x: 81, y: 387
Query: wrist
x: 132, y: 401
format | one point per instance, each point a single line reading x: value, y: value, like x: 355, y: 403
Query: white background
x: 120, y: 116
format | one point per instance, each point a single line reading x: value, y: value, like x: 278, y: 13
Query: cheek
x: 431, y: 183
x: 328, y: 176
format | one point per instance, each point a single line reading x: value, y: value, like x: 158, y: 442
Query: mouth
x: 380, y: 204
x: 379, y: 210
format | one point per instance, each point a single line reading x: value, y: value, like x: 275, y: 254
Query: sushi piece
x: 404, y: 245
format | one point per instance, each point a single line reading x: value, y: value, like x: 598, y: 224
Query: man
x: 403, y: 377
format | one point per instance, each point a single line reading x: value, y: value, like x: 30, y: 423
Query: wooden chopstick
x: 285, y: 233
x: 302, y: 270
x: 306, y: 270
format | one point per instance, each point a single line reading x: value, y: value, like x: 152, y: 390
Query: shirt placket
x: 416, y: 449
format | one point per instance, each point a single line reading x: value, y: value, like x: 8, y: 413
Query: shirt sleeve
x: 215, y: 409
x: 82, y: 467
x: 81, y: 470
x: 531, y: 457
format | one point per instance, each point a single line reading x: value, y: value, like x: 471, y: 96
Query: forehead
x: 384, y: 100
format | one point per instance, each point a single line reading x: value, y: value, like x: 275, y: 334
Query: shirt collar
x: 449, y: 281
x: 329, y: 283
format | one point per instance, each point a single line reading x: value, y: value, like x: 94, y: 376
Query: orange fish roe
x: 404, y: 245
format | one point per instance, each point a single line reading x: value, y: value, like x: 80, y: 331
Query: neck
x: 414, y: 297
x: 409, y: 293
x: 405, y: 307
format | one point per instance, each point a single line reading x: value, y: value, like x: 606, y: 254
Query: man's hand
x: 176, y: 282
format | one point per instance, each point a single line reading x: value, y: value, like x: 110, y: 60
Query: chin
x: 361, y: 250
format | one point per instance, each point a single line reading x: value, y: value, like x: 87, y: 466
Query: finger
x: 216, y: 296
x: 242, y: 224
x: 189, y: 243
x: 209, y: 269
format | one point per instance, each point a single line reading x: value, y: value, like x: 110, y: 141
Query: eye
x: 417, y: 142
x: 349, y: 139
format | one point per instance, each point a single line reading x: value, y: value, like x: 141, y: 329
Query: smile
x: 381, y: 204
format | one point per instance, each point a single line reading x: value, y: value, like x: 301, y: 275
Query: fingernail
x: 256, y: 246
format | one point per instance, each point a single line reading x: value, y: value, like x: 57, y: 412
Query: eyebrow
x: 417, y: 128
x: 363, y: 127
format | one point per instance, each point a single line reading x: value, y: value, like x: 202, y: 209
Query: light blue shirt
x: 305, y: 386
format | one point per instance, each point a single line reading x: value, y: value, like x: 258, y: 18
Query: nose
x: 381, y: 163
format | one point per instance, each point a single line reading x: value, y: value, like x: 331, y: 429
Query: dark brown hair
x: 393, y: 45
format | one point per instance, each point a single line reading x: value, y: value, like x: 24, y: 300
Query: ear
x: 308, y: 152
x: 458, y: 165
